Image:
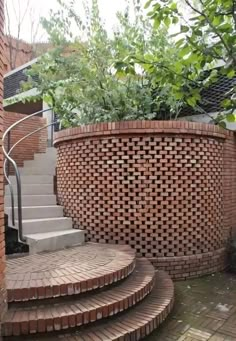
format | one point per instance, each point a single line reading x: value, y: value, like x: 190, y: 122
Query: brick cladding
x: 2, y: 238
x: 36, y: 143
x: 165, y: 188
x: 22, y: 53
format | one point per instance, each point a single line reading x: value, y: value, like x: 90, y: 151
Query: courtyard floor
x: 205, y: 309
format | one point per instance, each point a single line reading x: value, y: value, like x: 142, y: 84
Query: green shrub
x: 83, y: 77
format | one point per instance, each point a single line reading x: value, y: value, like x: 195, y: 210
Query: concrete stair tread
x: 41, y: 206
x: 37, y: 171
x: 67, y: 272
x: 34, y: 195
x: 33, y: 189
x: 38, y: 212
x: 34, y: 179
x: 32, y: 199
x: 45, y: 235
x: 45, y: 219
x: 82, y: 310
x: 31, y: 226
x: 131, y: 325
x: 56, y: 240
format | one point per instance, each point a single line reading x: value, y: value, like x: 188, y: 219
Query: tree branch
x: 9, y: 37
x: 211, y: 25
x: 168, y: 69
x: 234, y: 13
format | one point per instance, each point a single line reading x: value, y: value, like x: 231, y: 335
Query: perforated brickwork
x: 161, y: 193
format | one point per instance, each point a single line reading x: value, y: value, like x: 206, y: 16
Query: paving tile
x: 205, y: 309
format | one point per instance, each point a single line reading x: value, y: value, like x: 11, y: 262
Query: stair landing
x: 66, y: 272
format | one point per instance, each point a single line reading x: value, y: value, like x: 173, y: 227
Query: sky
x: 37, y: 8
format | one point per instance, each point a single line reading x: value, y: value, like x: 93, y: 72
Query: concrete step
x: 57, y: 240
x: 34, y: 179
x: 51, y: 154
x: 40, y: 161
x: 32, y: 200
x: 31, y: 226
x: 38, y: 212
x: 42, y: 170
x: 33, y: 189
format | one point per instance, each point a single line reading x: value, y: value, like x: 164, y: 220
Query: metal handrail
x: 17, y: 173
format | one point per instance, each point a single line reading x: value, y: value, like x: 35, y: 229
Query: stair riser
x: 37, y: 171
x: 46, y: 226
x: 38, y: 212
x: 33, y: 189
x: 56, y: 243
x: 39, y: 162
x: 51, y: 151
x: 29, y: 200
x: 34, y: 179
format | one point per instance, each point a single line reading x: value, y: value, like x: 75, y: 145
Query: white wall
x: 202, y: 118
x: 48, y: 115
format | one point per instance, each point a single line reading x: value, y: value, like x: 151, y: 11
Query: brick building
x: 16, y: 53
x: 2, y: 239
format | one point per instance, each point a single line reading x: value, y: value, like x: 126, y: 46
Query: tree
x: 206, y: 38
x: 86, y: 78
x: 18, y: 13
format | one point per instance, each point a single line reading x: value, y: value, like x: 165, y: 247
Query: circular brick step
x: 78, y: 311
x: 67, y: 272
x: 131, y: 325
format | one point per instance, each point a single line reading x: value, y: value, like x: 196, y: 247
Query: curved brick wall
x: 157, y: 186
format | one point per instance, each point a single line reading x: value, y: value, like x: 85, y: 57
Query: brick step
x: 67, y: 272
x: 55, y: 316
x: 131, y: 325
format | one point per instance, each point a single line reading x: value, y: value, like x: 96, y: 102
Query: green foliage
x: 90, y: 77
x: 206, y: 37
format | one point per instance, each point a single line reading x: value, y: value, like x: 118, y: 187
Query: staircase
x: 89, y: 293
x: 44, y: 226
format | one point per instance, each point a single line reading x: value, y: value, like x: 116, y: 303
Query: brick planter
x: 166, y: 188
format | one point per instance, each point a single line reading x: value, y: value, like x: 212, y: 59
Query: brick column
x: 2, y: 237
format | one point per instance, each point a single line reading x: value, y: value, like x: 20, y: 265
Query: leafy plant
x: 90, y: 76
x: 206, y: 45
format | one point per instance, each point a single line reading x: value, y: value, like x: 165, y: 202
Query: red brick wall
x: 229, y: 188
x: 21, y: 53
x: 2, y: 239
x: 165, y: 188
x: 36, y: 143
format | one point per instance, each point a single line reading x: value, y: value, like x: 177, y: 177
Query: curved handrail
x: 17, y: 173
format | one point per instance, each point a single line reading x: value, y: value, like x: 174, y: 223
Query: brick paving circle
x: 76, y: 310
x: 69, y: 271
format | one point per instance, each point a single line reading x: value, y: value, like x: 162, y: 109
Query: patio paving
x: 205, y: 309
